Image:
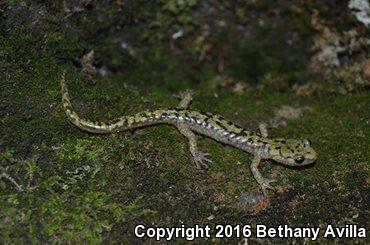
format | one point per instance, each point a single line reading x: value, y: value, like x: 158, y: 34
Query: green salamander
x: 290, y: 152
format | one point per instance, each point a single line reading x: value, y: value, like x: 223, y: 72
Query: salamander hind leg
x: 186, y: 98
x: 200, y: 158
x: 263, y: 182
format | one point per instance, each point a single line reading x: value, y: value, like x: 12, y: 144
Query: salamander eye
x: 299, y: 160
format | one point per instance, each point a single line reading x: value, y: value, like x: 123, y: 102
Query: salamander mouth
x: 311, y: 161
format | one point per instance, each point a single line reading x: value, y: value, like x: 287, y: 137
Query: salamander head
x: 293, y: 152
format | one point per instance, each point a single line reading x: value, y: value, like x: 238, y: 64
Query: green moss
x: 77, y: 187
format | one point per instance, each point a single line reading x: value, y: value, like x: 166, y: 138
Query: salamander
x: 291, y: 152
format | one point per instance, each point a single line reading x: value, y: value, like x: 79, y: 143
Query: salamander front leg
x: 263, y: 129
x: 199, y: 157
x: 264, y: 183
